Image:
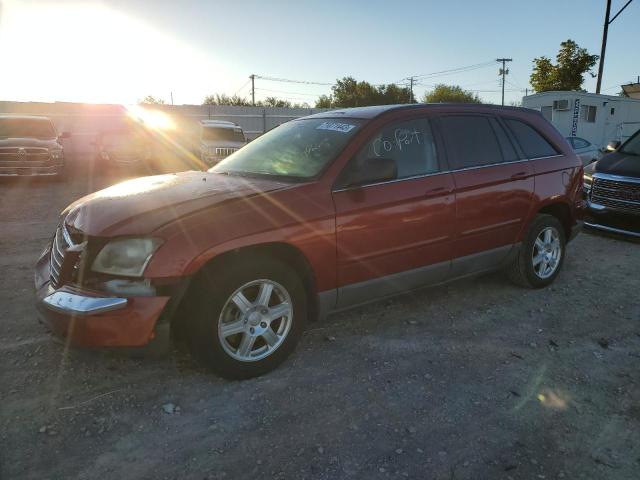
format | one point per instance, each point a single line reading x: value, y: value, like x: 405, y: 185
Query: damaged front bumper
x: 91, y: 318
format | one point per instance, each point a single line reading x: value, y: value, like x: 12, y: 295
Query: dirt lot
x: 474, y: 380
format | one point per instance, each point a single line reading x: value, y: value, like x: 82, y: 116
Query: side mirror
x: 374, y: 170
x: 613, y: 146
x: 64, y: 135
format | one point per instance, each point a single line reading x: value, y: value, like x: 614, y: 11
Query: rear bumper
x: 29, y: 171
x: 94, y: 319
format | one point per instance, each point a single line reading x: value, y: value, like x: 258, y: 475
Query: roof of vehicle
x: 25, y: 117
x: 376, y: 110
x: 218, y: 124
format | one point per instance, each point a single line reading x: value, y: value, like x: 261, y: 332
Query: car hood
x: 619, y: 163
x: 29, y: 142
x: 142, y: 205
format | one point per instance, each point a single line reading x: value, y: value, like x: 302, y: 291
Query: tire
x: 244, y: 351
x: 528, y: 268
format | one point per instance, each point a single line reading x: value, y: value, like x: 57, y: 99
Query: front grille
x: 27, y: 154
x: 225, y: 152
x: 61, y: 241
x: 616, y: 194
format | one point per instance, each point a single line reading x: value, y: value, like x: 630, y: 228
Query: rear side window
x: 532, y: 143
x: 471, y: 141
x: 508, y: 152
x: 580, y: 143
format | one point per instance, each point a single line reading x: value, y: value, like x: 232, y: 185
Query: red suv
x: 318, y: 215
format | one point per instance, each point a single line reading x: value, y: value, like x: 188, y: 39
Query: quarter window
x: 532, y: 143
x: 470, y: 141
x: 410, y: 144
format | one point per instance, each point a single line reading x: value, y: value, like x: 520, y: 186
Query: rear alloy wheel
x: 247, y: 316
x: 547, y: 253
x: 541, y: 254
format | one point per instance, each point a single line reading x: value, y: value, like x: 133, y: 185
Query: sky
x: 119, y: 51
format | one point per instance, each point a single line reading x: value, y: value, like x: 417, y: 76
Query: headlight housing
x: 125, y: 256
x: 56, y: 154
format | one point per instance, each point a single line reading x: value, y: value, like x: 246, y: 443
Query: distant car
x: 586, y: 150
x: 612, y: 188
x: 30, y: 146
x: 219, y: 139
x: 124, y: 149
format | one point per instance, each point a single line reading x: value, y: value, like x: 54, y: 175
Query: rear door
x: 395, y: 235
x: 493, y: 188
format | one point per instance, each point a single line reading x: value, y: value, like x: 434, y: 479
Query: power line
x: 288, y: 80
x: 455, y: 70
x: 285, y: 91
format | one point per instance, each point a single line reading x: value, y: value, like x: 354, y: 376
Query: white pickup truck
x: 219, y: 139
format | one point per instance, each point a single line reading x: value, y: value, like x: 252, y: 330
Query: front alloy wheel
x: 246, y: 315
x: 255, y: 320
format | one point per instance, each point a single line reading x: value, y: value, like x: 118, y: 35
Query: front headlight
x: 55, y: 154
x: 125, y: 256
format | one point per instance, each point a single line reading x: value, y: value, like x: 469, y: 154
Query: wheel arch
x: 282, y: 251
x: 562, y: 212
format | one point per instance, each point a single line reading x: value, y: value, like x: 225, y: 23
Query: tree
x: 348, y: 92
x: 572, y: 62
x: 450, y: 94
x: 151, y: 100
x: 224, y: 99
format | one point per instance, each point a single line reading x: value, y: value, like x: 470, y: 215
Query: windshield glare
x: 300, y: 148
x: 632, y: 147
x: 26, y: 128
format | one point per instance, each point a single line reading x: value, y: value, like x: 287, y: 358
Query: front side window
x: 531, y: 142
x: 470, y: 141
x: 299, y: 149
x: 409, y: 144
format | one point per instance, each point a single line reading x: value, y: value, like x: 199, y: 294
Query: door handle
x: 519, y: 176
x: 435, y: 192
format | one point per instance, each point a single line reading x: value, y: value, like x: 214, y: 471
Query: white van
x: 219, y: 139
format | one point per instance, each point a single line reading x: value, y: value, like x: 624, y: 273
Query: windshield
x: 300, y: 148
x: 632, y: 147
x: 26, y: 128
x: 223, y: 134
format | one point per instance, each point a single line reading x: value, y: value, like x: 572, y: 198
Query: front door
x: 395, y: 235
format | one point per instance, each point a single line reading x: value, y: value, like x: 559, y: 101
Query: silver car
x: 586, y: 150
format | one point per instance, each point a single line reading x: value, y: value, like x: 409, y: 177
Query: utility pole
x: 503, y: 71
x: 605, y: 32
x: 253, y: 89
x: 411, y: 80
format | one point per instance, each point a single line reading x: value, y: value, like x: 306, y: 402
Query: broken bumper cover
x: 94, y: 319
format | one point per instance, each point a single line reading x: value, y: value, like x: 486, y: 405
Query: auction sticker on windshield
x: 336, y: 127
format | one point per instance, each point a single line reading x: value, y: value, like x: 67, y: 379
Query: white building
x: 596, y: 118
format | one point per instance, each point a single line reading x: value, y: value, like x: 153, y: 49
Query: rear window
x: 222, y: 134
x: 26, y: 128
x: 471, y: 141
x: 532, y: 143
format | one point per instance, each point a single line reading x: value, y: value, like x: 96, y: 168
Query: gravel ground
x: 474, y: 380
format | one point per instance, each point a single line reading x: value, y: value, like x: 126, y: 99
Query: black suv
x: 30, y: 146
x: 612, y: 187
